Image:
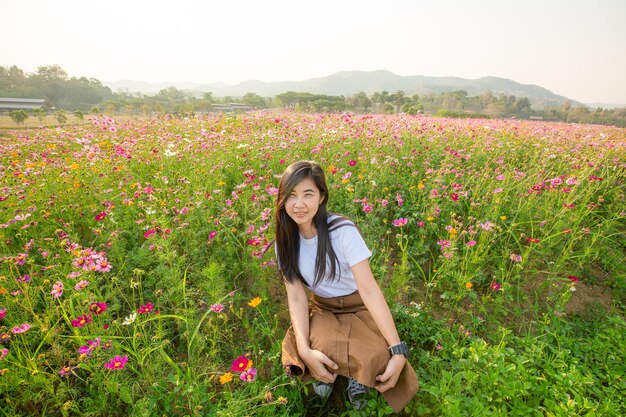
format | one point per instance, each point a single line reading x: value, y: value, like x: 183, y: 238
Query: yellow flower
x: 255, y: 302
x: 468, y: 285
x: 502, y: 217
x: 430, y: 218
x: 420, y: 186
x: 282, y: 400
x: 226, y: 378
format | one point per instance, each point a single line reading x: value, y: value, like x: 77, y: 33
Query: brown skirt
x: 344, y: 330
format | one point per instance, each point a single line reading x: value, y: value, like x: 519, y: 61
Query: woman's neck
x: 308, y: 232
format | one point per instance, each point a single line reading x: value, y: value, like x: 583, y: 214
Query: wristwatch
x: 399, y: 349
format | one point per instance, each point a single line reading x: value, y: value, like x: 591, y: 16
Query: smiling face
x: 302, y: 204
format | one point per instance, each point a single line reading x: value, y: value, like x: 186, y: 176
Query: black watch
x: 399, y: 349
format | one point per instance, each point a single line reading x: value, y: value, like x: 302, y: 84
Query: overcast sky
x: 575, y: 48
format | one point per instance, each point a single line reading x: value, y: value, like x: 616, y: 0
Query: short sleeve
x: 352, y: 245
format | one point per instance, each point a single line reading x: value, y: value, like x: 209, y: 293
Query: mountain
x: 352, y: 82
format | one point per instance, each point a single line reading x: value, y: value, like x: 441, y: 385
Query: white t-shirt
x: 350, y: 249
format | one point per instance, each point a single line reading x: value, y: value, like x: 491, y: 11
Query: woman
x: 348, y: 330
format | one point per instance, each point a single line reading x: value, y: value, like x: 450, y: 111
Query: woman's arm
x: 299, y: 313
x: 377, y: 305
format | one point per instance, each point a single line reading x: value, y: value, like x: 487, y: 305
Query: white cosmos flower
x: 130, y: 319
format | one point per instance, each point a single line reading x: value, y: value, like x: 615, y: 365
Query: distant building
x: 10, y: 104
x: 232, y: 108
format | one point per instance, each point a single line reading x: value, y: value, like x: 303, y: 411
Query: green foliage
x: 61, y: 116
x: 18, y: 116
x: 504, y: 220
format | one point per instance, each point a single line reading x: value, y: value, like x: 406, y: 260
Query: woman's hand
x: 388, y: 379
x: 317, y: 362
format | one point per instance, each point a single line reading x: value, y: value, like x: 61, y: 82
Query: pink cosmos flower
x: 103, y: 266
x: 65, y: 371
x: 367, y: 208
x: 81, y: 320
x: 516, y: 258
x: 3, y: 353
x: 3, y: 313
x: 149, y: 234
x: 249, y: 375
x: 57, y: 289
x: 22, y: 328
x: 117, y: 363
x: 25, y: 278
x: 399, y: 199
x: 81, y: 285
x: 399, y: 222
x: 443, y: 243
x: 217, y: 308
x: 352, y: 162
x: 89, y: 347
x: 471, y: 243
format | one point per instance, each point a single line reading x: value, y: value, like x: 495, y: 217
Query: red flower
x: 573, y: 278
x: 146, y: 308
x: 532, y: 240
x: 454, y: 196
x: 240, y: 364
x: 100, y: 216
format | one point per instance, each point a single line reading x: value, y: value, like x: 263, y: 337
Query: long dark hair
x: 287, y: 234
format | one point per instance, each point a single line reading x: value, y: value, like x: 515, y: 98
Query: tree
x: 79, y: 114
x: 254, y: 100
x: 39, y: 114
x: 18, y: 116
x: 60, y: 116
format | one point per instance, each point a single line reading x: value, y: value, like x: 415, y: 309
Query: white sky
x: 575, y: 48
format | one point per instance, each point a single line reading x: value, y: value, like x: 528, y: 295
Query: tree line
x: 82, y: 95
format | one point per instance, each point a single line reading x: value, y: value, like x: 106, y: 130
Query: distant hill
x: 352, y: 82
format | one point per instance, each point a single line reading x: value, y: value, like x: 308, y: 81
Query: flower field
x: 134, y: 279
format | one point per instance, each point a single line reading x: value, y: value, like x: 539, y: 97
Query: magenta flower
x: 146, y: 308
x: 98, y: 308
x: 81, y: 320
x: 516, y: 258
x: 3, y: 353
x: 471, y: 243
x: 3, y: 313
x: 367, y: 208
x: 89, y: 347
x: 25, y: 278
x: 57, y: 289
x: 399, y: 199
x: 495, y: 286
x: 352, y: 162
x: 5, y: 337
x: 249, y: 375
x: 100, y: 216
x: 22, y: 328
x: 117, y: 363
x: 399, y: 222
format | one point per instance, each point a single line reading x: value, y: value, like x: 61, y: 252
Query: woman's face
x: 302, y: 205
